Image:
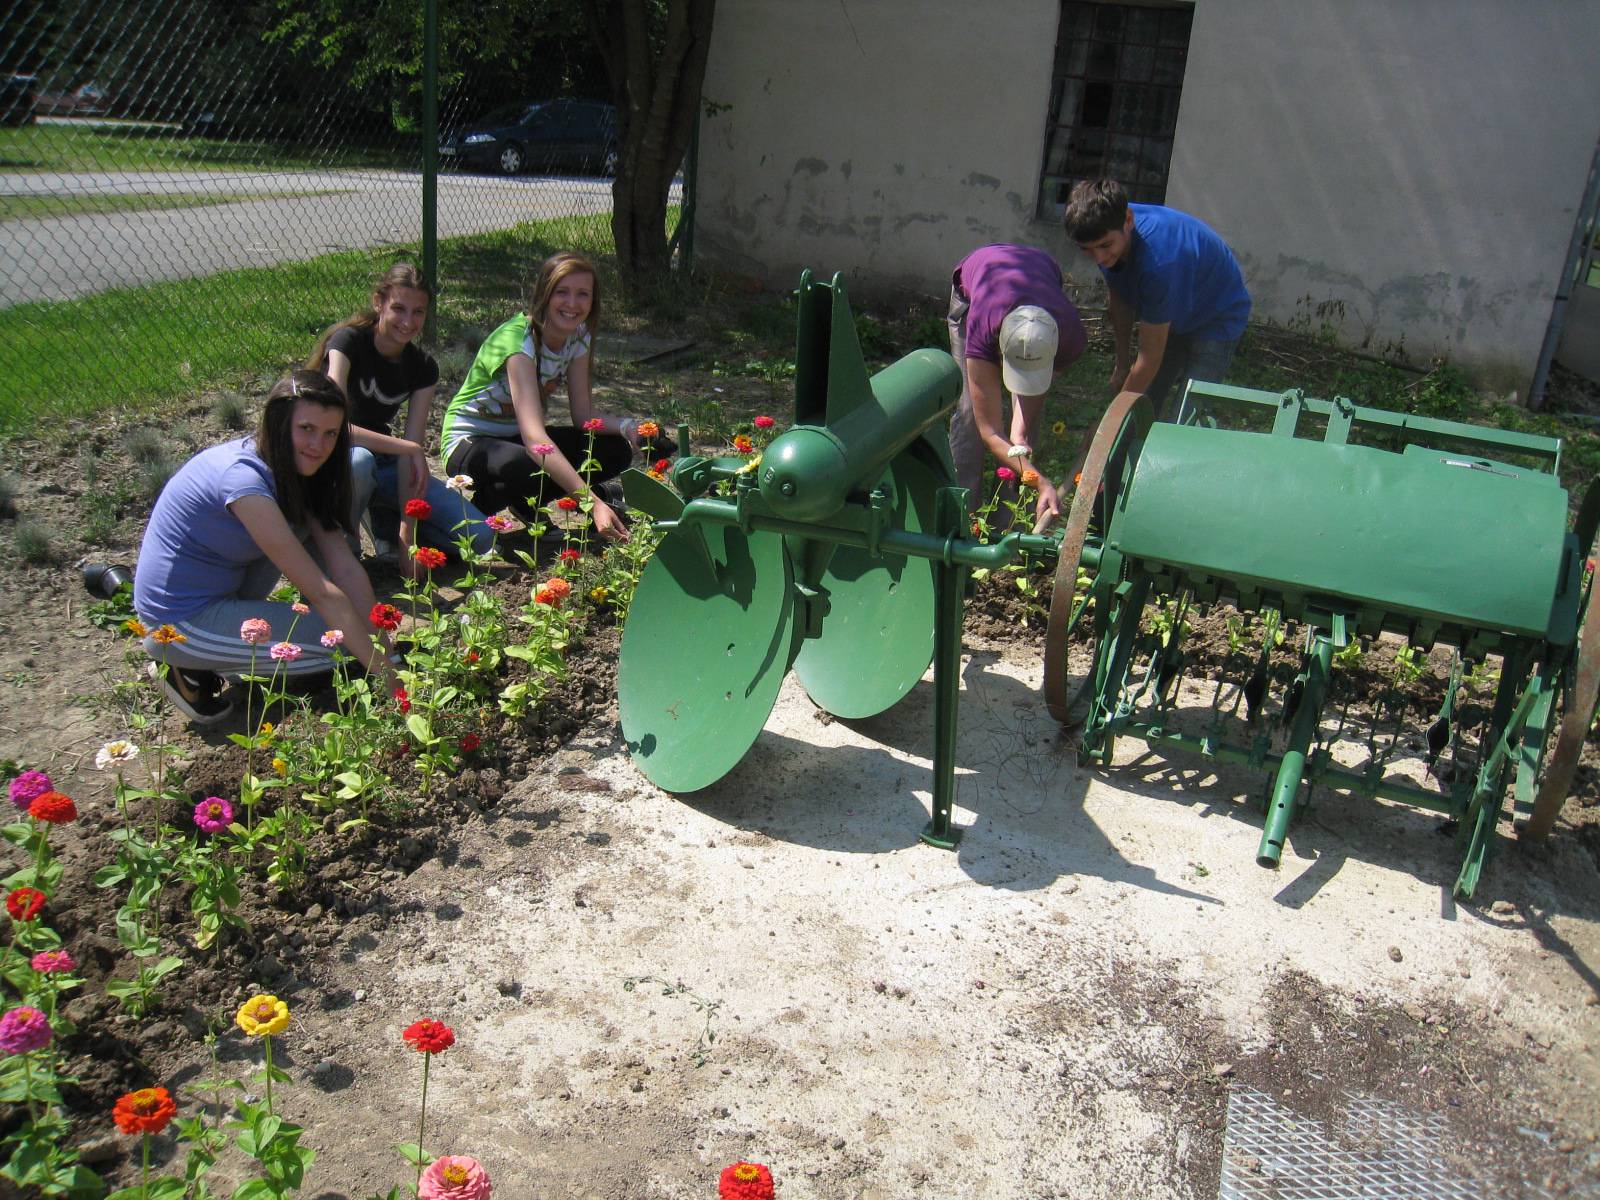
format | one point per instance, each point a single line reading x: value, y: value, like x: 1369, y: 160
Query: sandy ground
x: 1057, y: 1009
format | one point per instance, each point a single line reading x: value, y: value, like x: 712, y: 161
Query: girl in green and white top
x: 495, y: 428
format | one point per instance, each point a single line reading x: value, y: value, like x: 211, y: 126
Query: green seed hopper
x: 1354, y: 522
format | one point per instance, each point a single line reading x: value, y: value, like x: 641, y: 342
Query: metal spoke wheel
x: 1100, y: 480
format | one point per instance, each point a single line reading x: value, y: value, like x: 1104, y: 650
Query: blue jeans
x: 375, y: 482
x: 1187, y: 358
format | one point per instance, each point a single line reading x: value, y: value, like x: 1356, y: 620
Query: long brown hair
x: 325, y: 495
x: 551, y: 272
x: 401, y: 275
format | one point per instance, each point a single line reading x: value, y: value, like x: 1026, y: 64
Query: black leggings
x: 505, y: 475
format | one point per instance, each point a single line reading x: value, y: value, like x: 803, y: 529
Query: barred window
x: 1114, y: 98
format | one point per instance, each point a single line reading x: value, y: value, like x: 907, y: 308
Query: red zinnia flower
x: 401, y: 695
x: 663, y: 465
x: 53, y: 808
x: 470, y: 742
x: 593, y: 425
x: 146, y: 1111
x: 742, y: 444
x: 24, y: 903
x: 745, y: 1181
x: 764, y: 422
x: 384, y: 616
x: 420, y: 509
x: 567, y: 504
x: 570, y: 555
x: 428, y: 557
x: 430, y: 1036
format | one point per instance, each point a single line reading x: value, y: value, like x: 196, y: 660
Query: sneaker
x: 383, y: 552
x: 196, y: 694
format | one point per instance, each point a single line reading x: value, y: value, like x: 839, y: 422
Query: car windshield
x: 512, y: 114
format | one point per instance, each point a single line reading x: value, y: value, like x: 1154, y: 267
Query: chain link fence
x: 191, y: 190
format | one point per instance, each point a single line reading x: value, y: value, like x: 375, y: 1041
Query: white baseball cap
x: 1028, y: 338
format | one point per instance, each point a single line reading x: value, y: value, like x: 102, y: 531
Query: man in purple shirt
x: 1012, y: 329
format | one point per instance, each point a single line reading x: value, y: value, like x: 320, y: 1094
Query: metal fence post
x: 430, y: 151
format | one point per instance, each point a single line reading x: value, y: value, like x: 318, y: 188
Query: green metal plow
x: 844, y: 553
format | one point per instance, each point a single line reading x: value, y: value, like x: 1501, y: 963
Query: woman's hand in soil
x: 607, y: 523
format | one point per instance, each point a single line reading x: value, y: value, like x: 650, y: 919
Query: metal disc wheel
x: 512, y: 159
x: 1100, y: 481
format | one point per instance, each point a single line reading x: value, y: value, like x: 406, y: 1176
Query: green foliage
x: 33, y: 544
x: 701, y: 1053
x: 230, y: 411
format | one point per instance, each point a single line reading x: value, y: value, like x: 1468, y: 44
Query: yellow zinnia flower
x: 280, y: 766
x: 262, y: 1016
x: 1058, y: 428
x: 135, y: 626
x: 266, y: 729
x: 166, y: 635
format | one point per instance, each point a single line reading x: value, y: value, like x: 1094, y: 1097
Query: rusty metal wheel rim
x: 1061, y: 699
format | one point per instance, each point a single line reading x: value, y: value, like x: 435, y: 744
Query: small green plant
x: 1409, y: 664
x: 8, y: 496
x: 701, y: 1054
x: 33, y: 544
x: 1349, y: 654
x: 229, y: 411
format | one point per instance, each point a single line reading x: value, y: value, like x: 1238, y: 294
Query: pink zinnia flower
x: 285, y: 651
x: 332, y: 638
x: 256, y: 631
x: 764, y: 422
x: 541, y: 449
x: 454, y: 1177
x: 28, y: 787
x: 593, y: 425
x: 213, y: 814
x: 503, y: 524
x: 1005, y: 473
x: 26, y: 1029
x: 52, y: 962
x: 301, y: 607
x: 569, y: 555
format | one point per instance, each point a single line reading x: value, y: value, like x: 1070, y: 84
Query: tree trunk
x: 655, y: 55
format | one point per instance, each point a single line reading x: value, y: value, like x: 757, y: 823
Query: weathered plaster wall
x: 1413, y: 168
x: 884, y: 139
x: 1404, y: 172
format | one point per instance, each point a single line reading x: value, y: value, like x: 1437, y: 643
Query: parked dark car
x: 545, y: 136
x: 90, y: 100
x: 17, y: 99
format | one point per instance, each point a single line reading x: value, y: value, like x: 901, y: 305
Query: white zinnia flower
x: 116, y: 754
x: 458, y: 483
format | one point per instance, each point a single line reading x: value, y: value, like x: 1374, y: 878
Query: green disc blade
x: 709, y: 638
x: 877, y: 637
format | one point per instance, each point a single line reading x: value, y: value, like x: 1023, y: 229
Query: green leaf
x: 351, y: 780
x: 414, y: 1154
x: 418, y: 725
x: 353, y: 823
x: 255, y: 1189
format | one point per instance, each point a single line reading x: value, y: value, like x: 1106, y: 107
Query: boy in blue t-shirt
x: 1171, y: 273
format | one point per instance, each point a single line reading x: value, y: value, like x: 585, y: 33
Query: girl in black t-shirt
x: 374, y: 358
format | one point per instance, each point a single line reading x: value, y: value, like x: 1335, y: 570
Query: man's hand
x: 1119, y: 377
x: 1048, y: 506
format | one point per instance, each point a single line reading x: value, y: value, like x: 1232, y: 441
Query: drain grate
x: 1383, y: 1151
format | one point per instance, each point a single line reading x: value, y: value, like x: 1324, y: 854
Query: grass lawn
x: 17, y: 208
x: 103, y: 147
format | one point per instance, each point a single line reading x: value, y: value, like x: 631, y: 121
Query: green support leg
x: 950, y: 520
x: 1286, y: 787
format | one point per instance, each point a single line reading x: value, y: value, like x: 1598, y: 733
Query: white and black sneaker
x: 196, y: 694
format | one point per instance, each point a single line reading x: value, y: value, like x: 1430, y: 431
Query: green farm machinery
x: 844, y: 551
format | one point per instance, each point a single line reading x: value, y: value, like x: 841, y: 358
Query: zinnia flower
x: 454, y: 1177
x: 745, y: 1181
x: 764, y: 422
x: 569, y: 555
x: 135, y: 626
x: 742, y: 443
x: 332, y: 638
x: 649, y: 430
x: 470, y: 742
x: 52, y: 962
x: 541, y: 449
x: 263, y: 1016
x: 553, y: 592
x: 281, y: 766
x: 166, y: 635
x: 28, y: 786
x: 593, y: 425
x: 384, y: 616
x: 24, y: 903
x: 598, y: 595
x: 428, y: 557
x: 662, y: 466
x: 115, y: 754
x: 567, y: 504
x: 404, y: 698
x: 23, y: 1030
x: 459, y: 483
x: 1005, y: 473
x: 256, y: 631
x: 500, y: 524
x: 285, y: 651
x: 1058, y: 428
x: 656, y: 474
x: 420, y: 509
x: 301, y: 607
x: 146, y: 1111
x: 430, y: 1036
x: 214, y: 814
x: 53, y: 808
x: 1030, y: 478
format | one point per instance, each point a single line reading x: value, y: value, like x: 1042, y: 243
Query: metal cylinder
x: 807, y: 473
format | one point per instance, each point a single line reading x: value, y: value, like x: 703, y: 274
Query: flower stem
x: 267, y: 1038
x: 144, y: 1173
x: 422, y: 1122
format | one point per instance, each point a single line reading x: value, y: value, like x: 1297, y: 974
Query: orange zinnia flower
x: 146, y: 1111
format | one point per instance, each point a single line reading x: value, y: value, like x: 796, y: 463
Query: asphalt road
x: 301, y: 215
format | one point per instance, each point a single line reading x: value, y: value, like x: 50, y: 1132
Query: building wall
x: 1406, y: 174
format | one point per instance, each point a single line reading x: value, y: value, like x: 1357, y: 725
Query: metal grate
x: 1383, y: 1151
